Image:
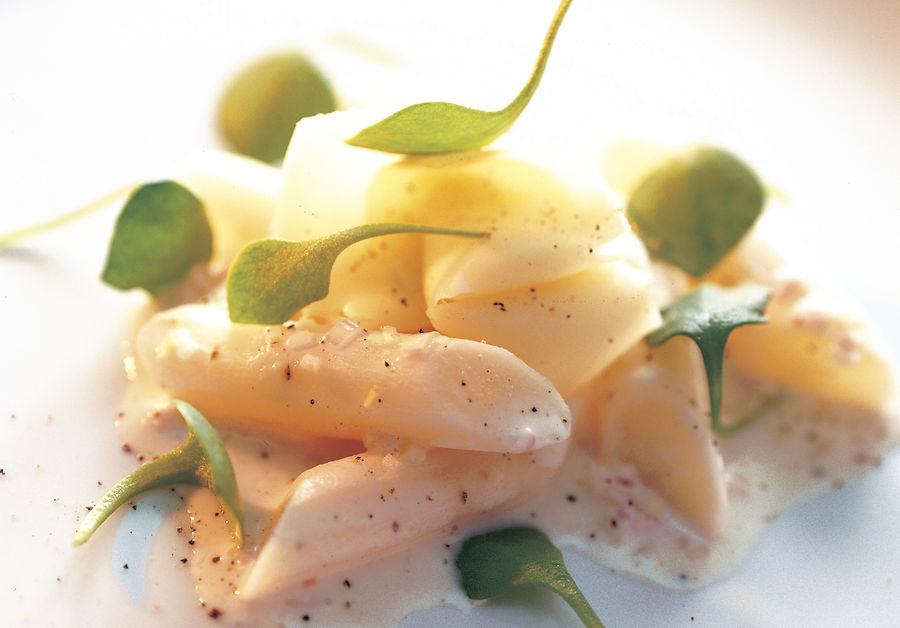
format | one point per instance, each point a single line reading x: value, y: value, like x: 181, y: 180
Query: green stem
x: 20, y: 234
x: 201, y: 460
x: 713, y: 358
x: 567, y: 589
x: 753, y: 415
x: 351, y: 235
x: 271, y: 279
x: 522, y: 99
x: 176, y: 467
x: 441, y: 127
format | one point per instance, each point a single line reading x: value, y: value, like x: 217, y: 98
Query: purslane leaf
x: 694, y: 208
x: 707, y: 316
x: 271, y: 279
x: 497, y: 562
x: 160, y: 234
x: 264, y: 102
x: 442, y: 127
x: 200, y: 460
x: 435, y: 127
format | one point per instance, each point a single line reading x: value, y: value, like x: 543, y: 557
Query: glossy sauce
x: 802, y: 447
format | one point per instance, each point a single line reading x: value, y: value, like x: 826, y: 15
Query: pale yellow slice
x: 377, y: 283
x: 813, y: 341
x: 650, y: 409
x: 239, y: 195
x: 547, y: 218
x: 326, y: 185
x: 561, y: 281
x: 559, y: 248
x: 568, y: 329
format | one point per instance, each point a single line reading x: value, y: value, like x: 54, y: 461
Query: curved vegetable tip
x: 201, y: 460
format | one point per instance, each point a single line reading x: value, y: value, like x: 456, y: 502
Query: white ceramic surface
x: 96, y: 94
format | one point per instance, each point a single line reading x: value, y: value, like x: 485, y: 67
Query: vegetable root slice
x: 830, y: 362
x: 650, y: 410
x: 536, y: 207
x: 239, y: 195
x: 344, y: 381
x: 360, y: 508
x: 812, y: 341
x: 377, y: 282
x: 568, y: 329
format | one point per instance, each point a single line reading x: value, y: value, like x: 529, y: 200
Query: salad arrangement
x: 475, y: 283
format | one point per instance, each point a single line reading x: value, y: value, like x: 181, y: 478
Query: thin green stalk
x: 26, y: 232
x: 522, y: 99
x: 176, y: 467
x: 200, y: 460
x: 443, y: 127
x: 569, y: 591
x: 764, y: 408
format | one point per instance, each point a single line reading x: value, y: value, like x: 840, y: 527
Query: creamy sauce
x: 802, y: 447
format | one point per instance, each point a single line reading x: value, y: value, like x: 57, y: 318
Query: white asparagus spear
x: 345, y: 381
x: 358, y: 509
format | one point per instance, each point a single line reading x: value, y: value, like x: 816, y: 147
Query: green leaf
x: 200, y: 460
x: 263, y: 103
x: 707, y: 316
x: 160, y: 234
x: 494, y: 563
x: 695, y: 208
x: 442, y: 127
x: 271, y: 279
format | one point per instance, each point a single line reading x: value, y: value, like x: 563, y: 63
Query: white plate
x: 96, y: 94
